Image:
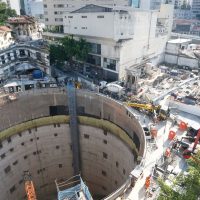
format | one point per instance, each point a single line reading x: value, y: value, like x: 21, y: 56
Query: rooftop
x: 21, y: 20
x: 5, y: 29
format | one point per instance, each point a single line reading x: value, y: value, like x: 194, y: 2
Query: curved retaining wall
x: 35, y: 104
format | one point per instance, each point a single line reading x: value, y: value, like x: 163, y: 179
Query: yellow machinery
x: 151, y: 109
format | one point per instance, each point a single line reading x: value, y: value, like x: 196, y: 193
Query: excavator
x: 29, y: 187
x: 151, y: 109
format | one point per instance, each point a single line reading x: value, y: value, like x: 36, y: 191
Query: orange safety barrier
x: 147, y: 182
x: 171, y: 135
x: 183, y: 126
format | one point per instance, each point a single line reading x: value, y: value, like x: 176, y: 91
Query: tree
x: 69, y: 50
x: 57, y: 55
x: 185, y: 186
x: 5, y: 13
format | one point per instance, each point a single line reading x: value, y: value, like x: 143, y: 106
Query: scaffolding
x: 73, y: 189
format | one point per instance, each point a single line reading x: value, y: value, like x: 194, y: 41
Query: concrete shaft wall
x: 35, y: 104
x: 46, y: 153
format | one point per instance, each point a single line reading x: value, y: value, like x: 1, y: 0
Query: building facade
x: 5, y: 37
x: 16, y: 54
x: 196, y: 8
x: 130, y: 38
x: 53, y: 10
x: 25, y: 28
x: 34, y: 8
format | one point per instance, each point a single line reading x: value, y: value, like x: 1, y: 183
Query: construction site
x: 61, y: 143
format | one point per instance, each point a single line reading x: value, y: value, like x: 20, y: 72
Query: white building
x: 181, y: 53
x: 13, y: 4
x: 5, y: 37
x: 121, y: 38
x: 53, y: 10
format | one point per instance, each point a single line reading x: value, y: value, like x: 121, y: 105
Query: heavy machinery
x: 151, y: 109
x: 188, y: 152
x: 29, y: 187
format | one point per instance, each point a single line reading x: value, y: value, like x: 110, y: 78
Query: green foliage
x: 187, y: 186
x: 69, y: 49
x: 6, y: 12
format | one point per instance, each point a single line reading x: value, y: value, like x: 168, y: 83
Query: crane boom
x: 29, y: 186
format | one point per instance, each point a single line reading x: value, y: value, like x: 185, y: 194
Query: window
x: 20, y: 134
x: 100, y: 16
x: 105, y: 155
x: 25, y: 157
x: 86, y: 136
x: 105, y: 141
x: 37, y: 138
x: 1, y: 145
x: 124, y: 171
x: 104, y: 173
x: 3, y: 156
x: 15, y: 162
x: 11, y: 149
x: 57, y: 147
x: 70, y: 16
x: 7, y: 169
x: 12, y: 189
x: 22, y: 143
x: 34, y: 153
x: 46, y: 19
x: 45, y: 5
x: 117, y: 164
x: 36, y: 127
x: 29, y: 130
x: 58, y: 5
x: 84, y: 16
x: 55, y: 134
x: 105, y: 132
x: 58, y: 125
x: 31, y: 139
x: 60, y: 165
x: 109, y: 64
x: 9, y: 139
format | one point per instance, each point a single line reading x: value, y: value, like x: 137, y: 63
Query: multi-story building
x: 196, y: 8
x: 53, y: 10
x: 34, y: 53
x: 34, y: 8
x: 24, y: 27
x: 5, y: 37
x: 183, y: 14
x: 14, y: 4
x: 121, y: 38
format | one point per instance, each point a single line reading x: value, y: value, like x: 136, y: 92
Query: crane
x: 29, y: 187
x: 153, y: 110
